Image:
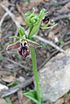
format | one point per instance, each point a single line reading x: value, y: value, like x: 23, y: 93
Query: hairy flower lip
x: 23, y: 50
x: 46, y: 19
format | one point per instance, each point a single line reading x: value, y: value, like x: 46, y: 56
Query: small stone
x: 2, y: 101
x: 3, y: 87
x: 21, y: 79
x: 60, y: 101
x: 67, y: 99
x: 9, y: 79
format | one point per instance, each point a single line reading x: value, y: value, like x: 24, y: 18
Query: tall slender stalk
x: 36, y: 76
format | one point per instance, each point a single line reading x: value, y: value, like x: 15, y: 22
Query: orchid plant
x: 26, y: 45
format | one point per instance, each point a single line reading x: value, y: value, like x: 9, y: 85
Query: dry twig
x: 50, y: 43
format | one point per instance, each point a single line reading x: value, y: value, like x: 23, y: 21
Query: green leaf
x: 48, y: 26
x: 16, y: 37
x: 22, y: 32
x: 2, y: 58
x: 61, y: 41
x: 13, y: 84
x: 36, y: 21
x: 34, y: 30
x: 42, y: 14
x: 33, y: 21
x: 32, y: 95
x: 28, y: 17
x: 8, y: 101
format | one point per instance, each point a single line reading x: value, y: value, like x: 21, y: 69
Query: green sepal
x: 22, y: 32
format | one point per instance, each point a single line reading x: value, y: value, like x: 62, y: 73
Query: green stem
x: 36, y: 76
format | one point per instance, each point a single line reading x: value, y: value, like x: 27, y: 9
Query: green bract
x: 34, y: 21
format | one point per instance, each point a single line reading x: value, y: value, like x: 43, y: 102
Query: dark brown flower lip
x: 23, y: 50
x: 46, y: 19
